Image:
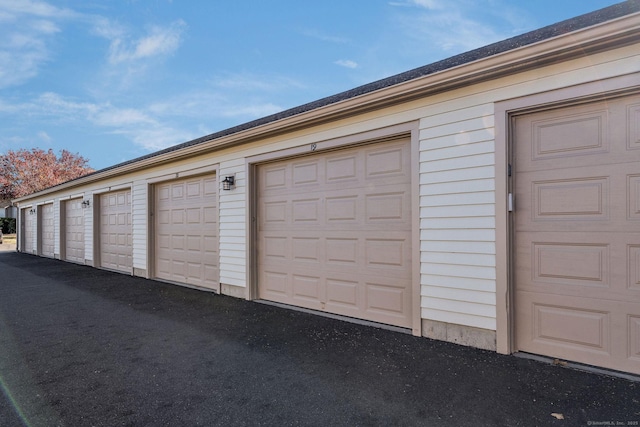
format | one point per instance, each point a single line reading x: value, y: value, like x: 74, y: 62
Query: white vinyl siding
x: 56, y: 224
x: 139, y: 215
x: 89, y: 229
x: 457, y: 160
x: 233, y: 234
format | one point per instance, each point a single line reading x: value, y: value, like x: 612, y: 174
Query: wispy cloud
x: 427, y: 4
x: 252, y: 82
x: 21, y: 56
x: 457, y: 25
x: 250, y: 111
x: 44, y: 137
x: 155, y: 138
x: 107, y: 29
x: 159, y: 41
x: 108, y: 116
x: 347, y: 63
x: 34, y: 8
x: 151, y: 127
x: 455, y: 32
x: 26, y: 29
x: 211, y: 104
x: 42, y: 26
x: 319, y: 35
x: 141, y: 127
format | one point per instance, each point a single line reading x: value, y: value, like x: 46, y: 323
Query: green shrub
x: 8, y: 225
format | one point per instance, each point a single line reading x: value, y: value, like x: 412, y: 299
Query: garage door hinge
x: 510, y: 202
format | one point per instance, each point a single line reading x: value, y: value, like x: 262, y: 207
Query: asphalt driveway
x: 86, y: 347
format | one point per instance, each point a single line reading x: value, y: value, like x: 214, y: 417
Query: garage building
x: 491, y: 199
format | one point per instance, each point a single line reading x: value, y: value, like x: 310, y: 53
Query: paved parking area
x: 86, y: 347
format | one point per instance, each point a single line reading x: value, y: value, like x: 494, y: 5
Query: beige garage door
x: 116, y: 246
x: 28, y: 223
x: 74, y: 230
x: 335, y: 232
x: 46, y: 230
x: 577, y: 233
x: 186, y: 231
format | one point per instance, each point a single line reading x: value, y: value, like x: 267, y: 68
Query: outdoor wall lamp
x: 86, y: 203
x: 32, y: 211
x: 229, y: 182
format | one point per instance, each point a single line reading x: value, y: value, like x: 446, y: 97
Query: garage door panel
x: 567, y: 135
x: 633, y: 195
x: 578, y: 198
x: 586, y: 263
x: 576, y: 235
x: 305, y: 286
x: 387, y: 253
x: 210, y: 215
x: 306, y: 212
x: 304, y: 249
x: 211, y: 273
x: 47, y: 230
x: 193, y: 216
x: 210, y: 186
x: 274, y: 285
x: 380, y: 257
x: 385, y: 163
x: 633, y: 262
x: 575, y: 325
x: 195, y: 270
x: 343, y: 293
x: 273, y: 178
x: 163, y: 241
x: 29, y: 222
x: 116, y: 231
x: 186, y: 232
x: 341, y: 251
x: 584, y: 330
x: 305, y: 173
x: 634, y: 338
x: 163, y: 216
x: 343, y: 208
x: 389, y: 207
x: 334, y: 232
x: 74, y: 230
x: 386, y: 299
x: 194, y: 243
x: 570, y: 263
x: 163, y: 266
x: 274, y: 212
x: 210, y: 245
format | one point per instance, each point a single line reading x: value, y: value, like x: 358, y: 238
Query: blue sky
x: 116, y: 79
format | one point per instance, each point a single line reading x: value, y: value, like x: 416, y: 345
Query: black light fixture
x: 32, y: 211
x: 86, y: 203
x: 228, y: 182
